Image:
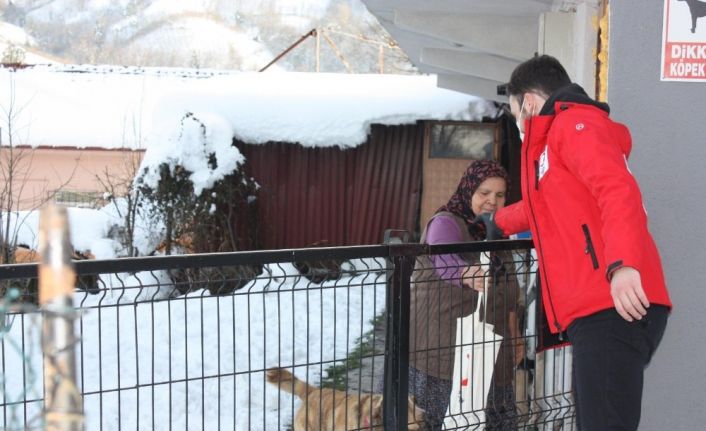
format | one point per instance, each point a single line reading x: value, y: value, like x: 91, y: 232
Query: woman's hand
x: 476, y: 276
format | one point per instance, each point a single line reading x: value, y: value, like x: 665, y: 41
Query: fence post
x: 62, y: 400
x: 397, y: 337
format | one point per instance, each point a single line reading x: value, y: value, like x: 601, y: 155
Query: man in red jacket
x: 602, y: 279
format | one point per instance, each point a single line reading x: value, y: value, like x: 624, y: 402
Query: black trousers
x: 609, y: 358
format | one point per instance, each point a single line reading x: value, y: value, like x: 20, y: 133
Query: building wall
x: 669, y: 161
x: 42, y: 171
x: 332, y: 196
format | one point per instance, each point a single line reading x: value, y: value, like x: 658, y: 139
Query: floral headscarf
x: 460, y: 202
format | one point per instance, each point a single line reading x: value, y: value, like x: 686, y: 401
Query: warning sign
x: 684, y: 41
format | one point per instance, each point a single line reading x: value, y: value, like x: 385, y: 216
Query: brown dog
x: 332, y: 410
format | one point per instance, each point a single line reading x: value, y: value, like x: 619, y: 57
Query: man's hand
x: 629, y: 297
x: 492, y: 231
x: 477, y: 276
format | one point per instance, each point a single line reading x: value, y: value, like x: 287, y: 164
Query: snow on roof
x: 317, y: 110
x: 108, y: 107
x: 81, y: 106
x: 116, y: 107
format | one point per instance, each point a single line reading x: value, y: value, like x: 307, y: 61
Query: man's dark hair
x: 543, y: 74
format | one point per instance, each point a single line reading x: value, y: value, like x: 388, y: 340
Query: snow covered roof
x: 128, y: 107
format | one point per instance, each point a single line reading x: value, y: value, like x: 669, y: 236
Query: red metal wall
x: 343, y: 197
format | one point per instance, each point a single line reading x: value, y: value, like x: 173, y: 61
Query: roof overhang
x: 473, y: 45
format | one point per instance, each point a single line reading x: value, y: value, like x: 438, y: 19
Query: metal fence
x: 206, y: 341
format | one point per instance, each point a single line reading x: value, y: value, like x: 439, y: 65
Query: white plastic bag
x: 476, y: 351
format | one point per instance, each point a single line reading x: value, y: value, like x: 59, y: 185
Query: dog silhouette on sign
x: 697, y: 9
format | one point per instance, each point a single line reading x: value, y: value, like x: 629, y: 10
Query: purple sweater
x: 444, y: 230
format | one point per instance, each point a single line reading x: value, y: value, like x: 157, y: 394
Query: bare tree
x: 12, y: 159
x: 15, y: 171
x: 13, y: 54
x: 119, y: 184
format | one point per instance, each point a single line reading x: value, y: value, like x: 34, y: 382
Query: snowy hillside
x: 17, y: 46
x: 201, y: 40
x: 238, y: 35
x: 11, y: 34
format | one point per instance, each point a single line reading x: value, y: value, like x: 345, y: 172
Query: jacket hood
x: 571, y: 93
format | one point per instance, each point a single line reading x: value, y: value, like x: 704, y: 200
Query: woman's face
x: 489, y: 196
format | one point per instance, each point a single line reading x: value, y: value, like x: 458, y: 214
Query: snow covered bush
x: 194, y: 182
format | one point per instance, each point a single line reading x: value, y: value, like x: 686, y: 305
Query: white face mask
x: 520, y: 121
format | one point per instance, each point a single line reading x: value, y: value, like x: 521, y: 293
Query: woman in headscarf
x: 445, y: 287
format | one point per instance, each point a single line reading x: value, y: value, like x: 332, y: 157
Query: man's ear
x: 534, y: 104
x: 530, y: 104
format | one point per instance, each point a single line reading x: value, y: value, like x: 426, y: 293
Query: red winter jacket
x: 583, y: 207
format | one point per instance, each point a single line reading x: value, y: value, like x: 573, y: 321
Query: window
x: 462, y: 140
x: 79, y: 199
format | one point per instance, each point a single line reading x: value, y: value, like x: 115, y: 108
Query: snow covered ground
x: 132, y: 347
x: 89, y: 229
x: 127, y: 344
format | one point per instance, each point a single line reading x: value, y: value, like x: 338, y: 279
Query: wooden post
x: 318, y: 50
x: 288, y: 50
x: 62, y: 400
x: 338, y: 53
x: 381, y: 58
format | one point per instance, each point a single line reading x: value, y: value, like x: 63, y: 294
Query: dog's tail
x: 287, y: 382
